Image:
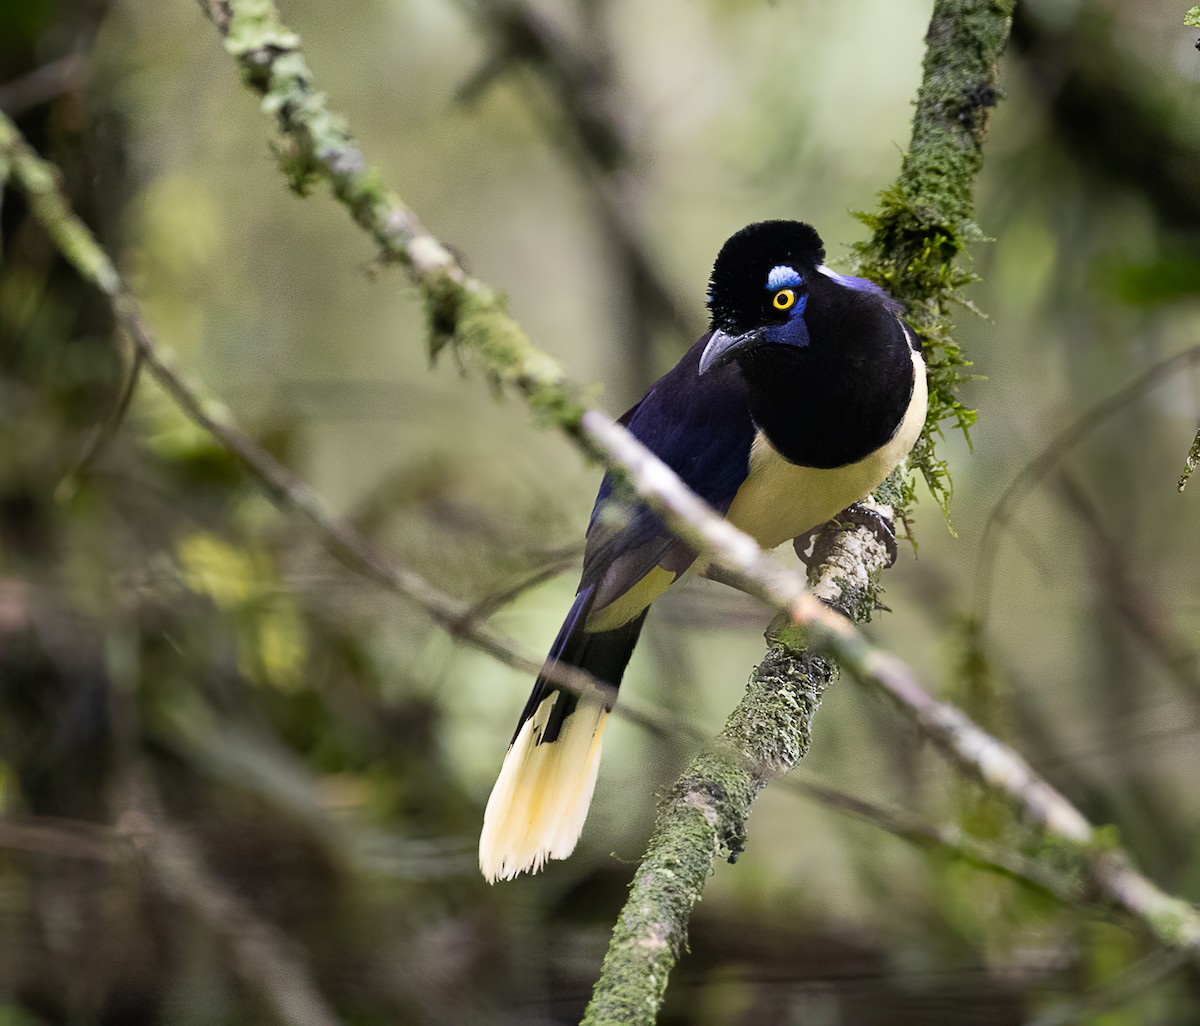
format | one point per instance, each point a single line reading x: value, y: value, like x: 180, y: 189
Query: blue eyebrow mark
x: 850, y: 282
x: 782, y: 276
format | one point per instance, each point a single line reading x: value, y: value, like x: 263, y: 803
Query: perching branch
x: 704, y: 815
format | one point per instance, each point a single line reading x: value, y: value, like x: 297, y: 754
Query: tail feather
x: 540, y: 800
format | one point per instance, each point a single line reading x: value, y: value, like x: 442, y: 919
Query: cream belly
x: 780, y: 500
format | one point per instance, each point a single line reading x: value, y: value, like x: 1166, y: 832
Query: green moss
x: 39, y: 181
x: 1192, y: 17
x: 503, y: 352
x: 925, y: 221
x: 701, y: 816
x: 916, y: 260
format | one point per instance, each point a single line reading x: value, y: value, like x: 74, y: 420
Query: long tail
x: 541, y: 798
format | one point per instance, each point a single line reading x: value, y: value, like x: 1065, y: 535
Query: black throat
x: 838, y: 399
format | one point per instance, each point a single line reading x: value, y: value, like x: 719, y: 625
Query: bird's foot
x: 861, y: 515
x: 813, y: 546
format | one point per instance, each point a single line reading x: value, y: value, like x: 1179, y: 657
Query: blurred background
x: 322, y: 753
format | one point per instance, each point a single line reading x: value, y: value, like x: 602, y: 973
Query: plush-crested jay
x: 805, y: 393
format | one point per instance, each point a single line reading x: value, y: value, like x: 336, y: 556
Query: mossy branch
x: 926, y: 218
x: 704, y: 815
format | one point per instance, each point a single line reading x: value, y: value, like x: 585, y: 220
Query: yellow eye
x: 784, y: 299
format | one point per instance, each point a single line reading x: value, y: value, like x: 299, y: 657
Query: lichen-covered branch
x: 704, y: 814
x: 1192, y: 461
x: 317, y: 146
x: 39, y: 181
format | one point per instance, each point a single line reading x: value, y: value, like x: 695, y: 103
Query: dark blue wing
x: 701, y: 428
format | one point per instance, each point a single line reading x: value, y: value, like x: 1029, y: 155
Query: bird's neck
x: 840, y: 398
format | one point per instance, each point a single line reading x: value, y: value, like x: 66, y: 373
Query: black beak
x: 722, y: 347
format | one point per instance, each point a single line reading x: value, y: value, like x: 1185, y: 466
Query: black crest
x: 739, y: 275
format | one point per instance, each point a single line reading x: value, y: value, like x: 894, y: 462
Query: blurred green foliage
x: 328, y: 752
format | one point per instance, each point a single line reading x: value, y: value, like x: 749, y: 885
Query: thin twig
x: 1138, y: 607
x: 1047, y: 457
x: 43, y: 84
x: 593, y: 134
x: 947, y: 838
x: 1139, y: 977
x: 103, y: 432
x: 487, y: 607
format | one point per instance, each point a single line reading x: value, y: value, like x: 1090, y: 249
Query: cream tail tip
x: 540, y: 800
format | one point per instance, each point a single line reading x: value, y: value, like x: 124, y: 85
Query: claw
x: 812, y: 547
x: 875, y: 522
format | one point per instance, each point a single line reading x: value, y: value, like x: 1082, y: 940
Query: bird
x: 807, y: 390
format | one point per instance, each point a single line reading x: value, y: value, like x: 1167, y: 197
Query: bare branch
x: 43, y: 84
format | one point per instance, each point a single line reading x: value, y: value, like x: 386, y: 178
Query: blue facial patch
x: 783, y: 276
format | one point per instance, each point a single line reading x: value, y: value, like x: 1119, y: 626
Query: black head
x: 760, y: 287
x: 737, y: 293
